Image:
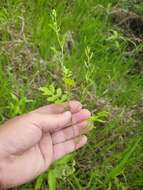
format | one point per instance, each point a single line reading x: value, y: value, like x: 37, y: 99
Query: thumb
x: 53, y: 122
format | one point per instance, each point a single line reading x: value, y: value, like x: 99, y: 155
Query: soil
x: 130, y: 21
x: 132, y: 26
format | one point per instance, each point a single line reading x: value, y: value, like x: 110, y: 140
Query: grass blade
x: 122, y: 163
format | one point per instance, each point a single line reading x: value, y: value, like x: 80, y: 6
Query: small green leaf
x: 64, y: 98
x: 58, y: 101
x: 52, y: 88
x: 51, y: 99
x: 59, y: 92
x: 69, y: 82
x: 46, y: 91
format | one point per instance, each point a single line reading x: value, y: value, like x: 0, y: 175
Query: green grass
x: 113, y: 157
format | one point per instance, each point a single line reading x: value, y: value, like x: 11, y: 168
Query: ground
x: 103, y: 50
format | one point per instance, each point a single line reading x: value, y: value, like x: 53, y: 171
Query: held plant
x: 57, y: 95
x: 99, y: 117
x: 69, y: 82
x: 67, y: 76
x: 60, y: 38
x: 95, y: 119
x: 65, y: 167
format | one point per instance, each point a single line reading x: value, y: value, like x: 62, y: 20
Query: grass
x: 102, y: 61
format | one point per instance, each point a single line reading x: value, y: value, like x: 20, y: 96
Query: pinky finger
x: 69, y: 146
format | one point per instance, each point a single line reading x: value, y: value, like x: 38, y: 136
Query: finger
x: 73, y: 106
x: 69, y: 146
x: 55, y: 122
x: 52, y: 122
x: 70, y: 132
x: 82, y: 115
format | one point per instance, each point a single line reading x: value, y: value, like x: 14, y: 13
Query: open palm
x: 31, y: 142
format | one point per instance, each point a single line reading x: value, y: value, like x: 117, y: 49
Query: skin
x: 30, y: 143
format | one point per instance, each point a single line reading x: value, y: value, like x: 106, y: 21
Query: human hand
x: 30, y: 143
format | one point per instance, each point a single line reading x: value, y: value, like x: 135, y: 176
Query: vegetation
x: 89, y: 50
